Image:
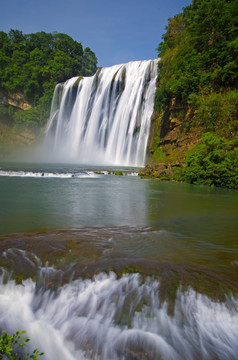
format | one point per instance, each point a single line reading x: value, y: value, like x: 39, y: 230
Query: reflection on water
x: 196, y: 211
x: 38, y: 203
x: 188, y: 224
x: 88, y: 198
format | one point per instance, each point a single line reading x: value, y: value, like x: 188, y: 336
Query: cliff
x: 170, y: 140
x: 13, y: 136
x: 15, y: 100
x: 194, y: 128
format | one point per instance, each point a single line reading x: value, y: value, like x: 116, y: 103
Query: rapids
x: 117, y: 318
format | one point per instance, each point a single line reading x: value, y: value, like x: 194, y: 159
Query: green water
x: 74, y: 240
x: 178, y: 223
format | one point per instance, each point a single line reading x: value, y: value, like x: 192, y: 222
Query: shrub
x: 213, y: 162
x: 11, y: 344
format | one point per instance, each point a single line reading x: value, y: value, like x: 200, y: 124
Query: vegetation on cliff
x: 33, y: 64
x: 197, y: 93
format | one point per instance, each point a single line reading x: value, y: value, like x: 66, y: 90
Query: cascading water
x: 110, y: 318
x: 104, y: 119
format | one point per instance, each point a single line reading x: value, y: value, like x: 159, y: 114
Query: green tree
x: 33, y: 64
x: 42, y: 58
x: 10, y: 345
x: 199, y: 50
x: 90, y: 62
x: 213, y: 162
x: 197, y: 91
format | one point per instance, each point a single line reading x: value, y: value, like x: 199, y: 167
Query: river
x: 96, y: 265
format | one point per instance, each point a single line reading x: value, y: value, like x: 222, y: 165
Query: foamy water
x: 62, y: 175
x: 117, y: 318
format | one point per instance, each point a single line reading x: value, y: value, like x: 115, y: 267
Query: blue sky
x: 117, y: 31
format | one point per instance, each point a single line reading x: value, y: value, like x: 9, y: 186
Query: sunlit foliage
x: 198, y: 73
x: 33, y: 64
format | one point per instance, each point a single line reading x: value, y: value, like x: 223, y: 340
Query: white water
x: 117, y: 318
x: 104, y: 119
x: 43, y: 174
x: 62, y: 175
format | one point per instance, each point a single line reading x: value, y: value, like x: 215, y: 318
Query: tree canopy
x: 199, y: 50
x: 197, y: 89
x: 32, y: 64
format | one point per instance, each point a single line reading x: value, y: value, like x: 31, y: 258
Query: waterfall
x: 103, y: 119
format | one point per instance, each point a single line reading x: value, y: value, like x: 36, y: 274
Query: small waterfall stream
x: 109, y: 318
x: 104, y: 119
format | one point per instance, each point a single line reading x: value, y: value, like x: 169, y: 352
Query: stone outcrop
x: 12, y: 137
x: 171, y: 137
x: 172, y: 134
x: 16, y: 100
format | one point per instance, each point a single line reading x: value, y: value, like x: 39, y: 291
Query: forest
x: 33, y: 64
x: 197, y: 96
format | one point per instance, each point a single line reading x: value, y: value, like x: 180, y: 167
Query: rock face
x: 12, y: 137
x: 16, y: 100
x: 171, y: 136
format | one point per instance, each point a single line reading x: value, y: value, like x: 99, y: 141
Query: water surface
x: 118, y: 267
